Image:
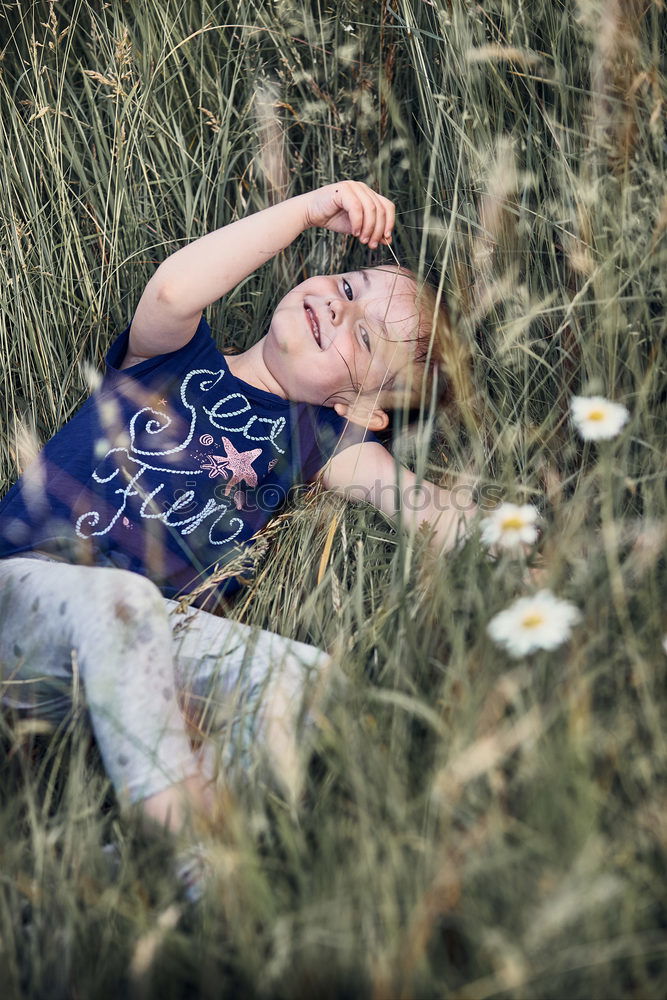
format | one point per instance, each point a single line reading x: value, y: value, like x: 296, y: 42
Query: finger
x: 366, y: 198
x: 390, y: 219
x: 374, y: 217
x: 380, y: 221
x: 349, y: 201
x: 385, y: 216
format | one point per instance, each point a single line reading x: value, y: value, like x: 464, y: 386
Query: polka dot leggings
x: 143, y: 666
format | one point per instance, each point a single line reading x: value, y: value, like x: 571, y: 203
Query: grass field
x: 474, y: 825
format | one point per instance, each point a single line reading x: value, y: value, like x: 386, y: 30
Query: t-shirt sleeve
x: 321, y: 434
x: 200, y: 343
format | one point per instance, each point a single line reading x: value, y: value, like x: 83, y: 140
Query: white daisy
x: 538, y: 622
x: 597, y: 418
x: 510, y: 525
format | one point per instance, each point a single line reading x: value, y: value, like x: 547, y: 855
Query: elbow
x: 166, y: 296
x: 164, y: 290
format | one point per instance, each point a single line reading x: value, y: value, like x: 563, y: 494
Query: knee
x: 303, y: 675
x: 129, y: 596
x: 309, y: 660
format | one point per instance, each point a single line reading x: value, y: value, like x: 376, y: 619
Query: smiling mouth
x: 314, y: 325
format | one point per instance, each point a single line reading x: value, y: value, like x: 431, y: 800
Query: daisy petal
x: 510, y: 526
x: 597, y: 418
x: 542, y: 621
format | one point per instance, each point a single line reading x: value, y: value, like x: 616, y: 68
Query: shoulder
x: 123, y: 354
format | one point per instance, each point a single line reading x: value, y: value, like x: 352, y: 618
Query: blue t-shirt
x: 168, y: 469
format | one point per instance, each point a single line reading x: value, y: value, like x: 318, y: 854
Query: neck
x: 250, y: 367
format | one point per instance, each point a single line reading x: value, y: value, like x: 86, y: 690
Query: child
x: 178, y: 458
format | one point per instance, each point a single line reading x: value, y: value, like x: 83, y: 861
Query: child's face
x: 337, y: 338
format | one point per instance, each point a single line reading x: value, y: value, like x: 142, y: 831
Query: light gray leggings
x: 139, y: 661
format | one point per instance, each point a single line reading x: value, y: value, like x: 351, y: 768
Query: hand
x: 351, y: 207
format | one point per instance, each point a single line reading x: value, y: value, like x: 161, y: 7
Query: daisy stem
x: 610, y: 540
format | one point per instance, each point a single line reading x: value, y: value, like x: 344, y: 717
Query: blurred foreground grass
x: 474, y: 826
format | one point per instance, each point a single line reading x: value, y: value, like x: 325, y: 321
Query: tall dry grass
x: 473, y: 826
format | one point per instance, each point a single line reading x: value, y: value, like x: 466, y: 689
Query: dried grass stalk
x: 271, y: 156
x: 493, y: 245
x: 615, y: 66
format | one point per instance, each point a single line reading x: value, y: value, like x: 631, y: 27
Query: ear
x: 357, y: 413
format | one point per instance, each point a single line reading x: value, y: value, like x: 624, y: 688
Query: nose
x: 338, y: 316
x: 338, y: 310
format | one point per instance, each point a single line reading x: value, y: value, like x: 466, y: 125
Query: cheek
x: 323, y: 382
x: 343, y: 371
x: 366, y: 372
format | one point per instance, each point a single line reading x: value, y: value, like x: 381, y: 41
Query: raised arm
x: 200, y: 273
x: 368, y: 472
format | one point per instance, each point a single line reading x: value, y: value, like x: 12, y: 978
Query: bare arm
x: 368, y: 472
x: 203, y: 271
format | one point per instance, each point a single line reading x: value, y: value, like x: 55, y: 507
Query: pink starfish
x: 240, y: 462
x: 217, y: 465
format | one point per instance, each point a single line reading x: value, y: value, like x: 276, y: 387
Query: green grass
x: 473, y: 826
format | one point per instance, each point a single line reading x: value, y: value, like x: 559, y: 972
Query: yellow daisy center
x: 513, y: 523
x: 596, y: 415
x: 533, y: 620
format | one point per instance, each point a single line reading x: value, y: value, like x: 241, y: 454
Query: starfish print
x: 240, y: 462
x: 217, y: 464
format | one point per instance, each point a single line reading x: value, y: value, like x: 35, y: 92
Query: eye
x: 366, y: 340
x: 347, y: 288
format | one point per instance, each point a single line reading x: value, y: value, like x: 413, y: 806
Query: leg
x: 116, y: 623
x: 256, y: 689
